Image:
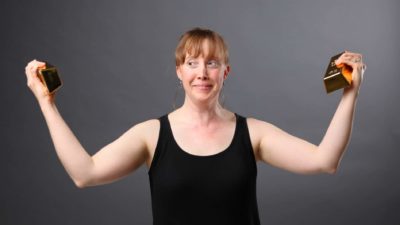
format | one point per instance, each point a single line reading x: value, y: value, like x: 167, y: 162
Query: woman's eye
x: 213, y: 63
x: 192, y: 63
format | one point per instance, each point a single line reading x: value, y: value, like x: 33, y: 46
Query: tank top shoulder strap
x: 163, y: 138
x: 245, y: 140
x: 243, y: 129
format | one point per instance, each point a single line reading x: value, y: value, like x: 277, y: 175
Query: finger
x: 31, y: 72
x: 349, y: 55
x: 31, y: 75
x: 39, y: 64
x: 28, y: 77
x: 356, y: 56
x: 347, y: 52
x: 346, y: 60
x: 350, y: 58
x: 34, y: 65
x: 32, y: 62
x: 35, y: 83
x: 345, y: 55
x: 352, y: 55
x: 35, y: 62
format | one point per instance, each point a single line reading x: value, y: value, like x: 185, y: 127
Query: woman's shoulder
x: 253, y: 121
x: 149, y: 131
x: 256, y: 122
x: 149, y: 125
x: 258, y: 127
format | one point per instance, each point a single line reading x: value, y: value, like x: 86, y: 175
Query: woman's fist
x: 355, y: 61
x: 35, y: 84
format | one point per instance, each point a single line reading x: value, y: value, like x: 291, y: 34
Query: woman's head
x: 192, y: 42
x: 202, y: 65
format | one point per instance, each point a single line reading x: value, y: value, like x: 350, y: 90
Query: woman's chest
x: 203, y: 142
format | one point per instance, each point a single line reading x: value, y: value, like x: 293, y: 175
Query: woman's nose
x: 203, y: 73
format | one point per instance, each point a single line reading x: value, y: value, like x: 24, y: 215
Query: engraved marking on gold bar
x: 331, y: 75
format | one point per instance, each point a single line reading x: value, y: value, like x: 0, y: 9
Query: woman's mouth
x: 203, y: 86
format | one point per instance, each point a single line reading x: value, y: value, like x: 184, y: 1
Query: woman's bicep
x: 120, y: 157
x: 288, y: 152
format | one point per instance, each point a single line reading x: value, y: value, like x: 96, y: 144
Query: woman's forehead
x: 205, y: 49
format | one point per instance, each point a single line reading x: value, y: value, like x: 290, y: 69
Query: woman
x: 201, y: 157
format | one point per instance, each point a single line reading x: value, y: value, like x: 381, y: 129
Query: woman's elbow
x: 327, y: 166
x: 81, y: 183
x: 329, y: 169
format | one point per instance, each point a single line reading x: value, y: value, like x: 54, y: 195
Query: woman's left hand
x: 354, y: 60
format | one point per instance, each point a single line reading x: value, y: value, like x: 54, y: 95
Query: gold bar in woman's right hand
x: 50, y: 78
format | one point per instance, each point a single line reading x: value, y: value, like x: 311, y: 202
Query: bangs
x: 195, y: 48
x: 192, y: 43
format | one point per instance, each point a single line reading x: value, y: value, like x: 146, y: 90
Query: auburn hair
x: 192, y: 41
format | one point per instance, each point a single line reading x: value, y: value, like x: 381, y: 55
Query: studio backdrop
x: 116, y: 61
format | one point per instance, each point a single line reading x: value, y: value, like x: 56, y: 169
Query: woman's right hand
x: 35, y: 84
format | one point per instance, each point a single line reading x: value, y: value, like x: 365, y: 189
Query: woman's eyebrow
x: 214, y: 59
x: 190, y: 58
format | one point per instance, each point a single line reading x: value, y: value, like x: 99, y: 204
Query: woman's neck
x: 203, y: 114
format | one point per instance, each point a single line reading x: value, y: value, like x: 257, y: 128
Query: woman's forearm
x: 75, y: 159
x: 337, y: 136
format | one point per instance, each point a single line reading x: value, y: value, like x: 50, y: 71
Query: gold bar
x: 50, y: 78
x: 337, y: 76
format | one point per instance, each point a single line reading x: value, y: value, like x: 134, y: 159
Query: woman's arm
x: 112, y: 162
x: 288, y: 152
x: 337, y: 136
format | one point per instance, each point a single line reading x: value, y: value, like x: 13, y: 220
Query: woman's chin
x: 203, y: 98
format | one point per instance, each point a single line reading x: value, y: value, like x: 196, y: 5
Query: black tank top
x: 218, y: 189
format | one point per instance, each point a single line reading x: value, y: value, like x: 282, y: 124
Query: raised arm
x: 112, y: 162
x: 280, y: 149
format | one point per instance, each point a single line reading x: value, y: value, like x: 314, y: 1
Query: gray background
x: 116, y: 61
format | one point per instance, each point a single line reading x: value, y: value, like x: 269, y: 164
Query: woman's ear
x: 226, y: 72
x: 178, y: 72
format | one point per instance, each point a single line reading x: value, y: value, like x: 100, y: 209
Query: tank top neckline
x: 218, y: 154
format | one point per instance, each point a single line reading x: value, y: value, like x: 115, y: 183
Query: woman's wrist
x: 46, y: 106
x: 350, y: 93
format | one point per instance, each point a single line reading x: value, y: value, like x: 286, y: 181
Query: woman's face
x: 202, y: 78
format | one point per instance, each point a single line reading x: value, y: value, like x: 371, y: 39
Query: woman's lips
x: 203, y: 86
